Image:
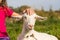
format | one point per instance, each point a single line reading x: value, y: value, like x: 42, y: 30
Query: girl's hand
x: 29, y: 11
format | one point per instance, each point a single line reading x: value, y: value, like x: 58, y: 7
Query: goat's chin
x: 29, y: 29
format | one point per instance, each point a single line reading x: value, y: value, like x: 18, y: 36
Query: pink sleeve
x: 9, y: 12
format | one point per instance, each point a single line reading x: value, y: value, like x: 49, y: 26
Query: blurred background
x: 45, y: 8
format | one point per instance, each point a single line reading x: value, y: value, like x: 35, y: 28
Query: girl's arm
x: 16, y: 15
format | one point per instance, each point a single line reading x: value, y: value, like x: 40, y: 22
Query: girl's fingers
x: 29, y: 11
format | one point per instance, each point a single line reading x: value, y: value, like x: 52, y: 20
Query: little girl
x: 5, y: 11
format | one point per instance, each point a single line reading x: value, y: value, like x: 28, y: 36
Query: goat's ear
x: 40, y: 17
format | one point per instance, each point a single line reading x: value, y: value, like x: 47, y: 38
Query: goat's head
x: 29, y: 17
x: 29, y: 21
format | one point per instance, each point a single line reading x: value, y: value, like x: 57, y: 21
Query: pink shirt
x: 3, y: 14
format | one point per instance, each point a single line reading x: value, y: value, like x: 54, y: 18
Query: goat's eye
x: 25, y: 17
x: 35, y: 17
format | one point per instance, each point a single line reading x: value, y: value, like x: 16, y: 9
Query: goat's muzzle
x: 30, y: 27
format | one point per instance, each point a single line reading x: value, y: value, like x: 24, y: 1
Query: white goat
x: 28, y: 32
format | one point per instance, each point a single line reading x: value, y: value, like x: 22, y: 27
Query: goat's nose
x: 30, y: 27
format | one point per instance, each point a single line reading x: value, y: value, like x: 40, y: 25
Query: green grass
x: 50, y: 26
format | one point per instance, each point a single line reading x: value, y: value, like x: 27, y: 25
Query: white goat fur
x: 27, y: 34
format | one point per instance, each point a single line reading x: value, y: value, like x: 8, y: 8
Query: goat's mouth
x: 30, y: 27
